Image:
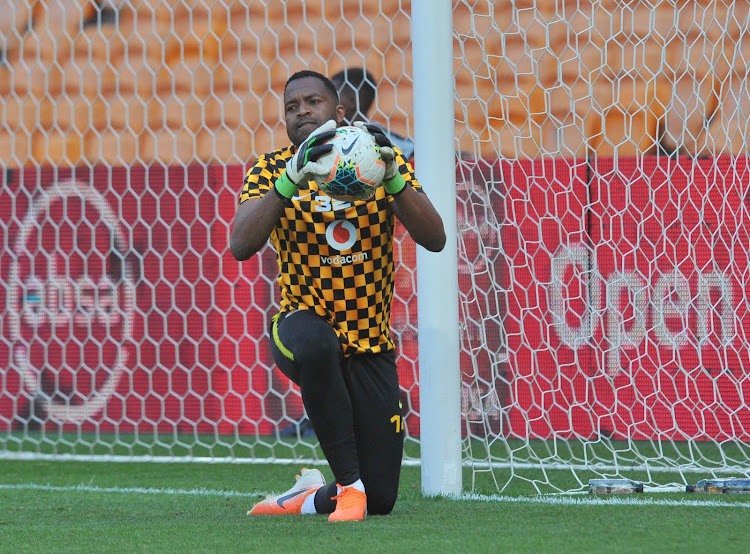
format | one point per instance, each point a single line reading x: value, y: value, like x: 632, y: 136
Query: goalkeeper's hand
x: 393, y: 181
x: 304, y: 164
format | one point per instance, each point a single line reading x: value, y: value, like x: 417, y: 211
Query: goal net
x: 602, y: 202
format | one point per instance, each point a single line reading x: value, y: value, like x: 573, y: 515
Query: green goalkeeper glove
x: 305, y: 162
x: 393, y: 181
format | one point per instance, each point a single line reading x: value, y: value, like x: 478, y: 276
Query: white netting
x: 602, y: 208
x: 607, y: 224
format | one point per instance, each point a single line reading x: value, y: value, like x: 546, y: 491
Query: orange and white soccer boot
x: 291, y: 501
x: 351, y: 505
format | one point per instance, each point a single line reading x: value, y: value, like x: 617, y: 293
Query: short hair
x: 309, y: 73
x: 361, y: 82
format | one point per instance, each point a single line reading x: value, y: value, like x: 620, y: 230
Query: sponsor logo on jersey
x: 342, y: 236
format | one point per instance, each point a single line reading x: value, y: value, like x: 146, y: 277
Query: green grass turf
x: 527, y: 456
x: 115, y: 520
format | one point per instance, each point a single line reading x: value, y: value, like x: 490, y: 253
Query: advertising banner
x: 596, y: 299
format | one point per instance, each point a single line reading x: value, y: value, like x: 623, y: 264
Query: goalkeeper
x: 332, y: 334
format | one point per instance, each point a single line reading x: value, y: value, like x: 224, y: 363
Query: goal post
x: 437, y: 273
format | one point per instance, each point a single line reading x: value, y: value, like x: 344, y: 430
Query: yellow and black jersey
x: 334, y: 256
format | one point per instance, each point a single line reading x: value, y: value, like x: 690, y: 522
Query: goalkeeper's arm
x: 256, y: 218
x: 413, y: 209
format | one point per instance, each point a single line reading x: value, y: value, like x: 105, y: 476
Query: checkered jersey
x: 334, y: 256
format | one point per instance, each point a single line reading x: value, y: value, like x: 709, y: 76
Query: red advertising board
x: 627, y: 312
x: 121, y: 301
x: 595, y: 299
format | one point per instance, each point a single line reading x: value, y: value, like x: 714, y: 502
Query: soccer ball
x: 358, y: 168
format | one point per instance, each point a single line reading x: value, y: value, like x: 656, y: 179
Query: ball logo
x: 341, y: 235
x: 71, y: 298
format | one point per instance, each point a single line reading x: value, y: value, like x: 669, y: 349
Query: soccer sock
x: 358, y: 484
x: 323, y: 502
x: 308, y: 506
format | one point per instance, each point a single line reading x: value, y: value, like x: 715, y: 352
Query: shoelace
x: 343, y: 492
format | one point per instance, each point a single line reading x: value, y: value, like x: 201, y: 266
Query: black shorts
x: 353, y: 403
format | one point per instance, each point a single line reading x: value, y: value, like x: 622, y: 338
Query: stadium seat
x: 15, y: 148
x: 18, y: 114
x: 200, y: 76
x: 62, y: 15
x: 14, y: 21
x: 732, y: 19
x: 115, y: 112
x: 73, y: 112
x: 690, y: 105
x: 45, y: 46
x: 244, y: 110
x: 195, y: 38
x: 57, y: 147
x: 111, y: 147
x: 628, y: 110
x: 394, y: 105
x: 36, y: 79
x: 92, y: 79
x: 222, y: 145
x: 168, y: 146
x: 698, y: 54
x: 147, y: 40
x: 568, y: 121
x: 728, y: 131
x: 177, y: 111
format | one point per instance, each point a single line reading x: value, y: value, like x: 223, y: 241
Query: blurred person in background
x: 357, y: 92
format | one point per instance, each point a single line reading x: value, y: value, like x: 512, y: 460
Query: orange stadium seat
x: 19, y: 115
x: 14, y: 22
x: 698, y: 54
x: 6, y: 77
x: 568, y: 121
x: 36, y: 79
x: 57, y: 147
x: 690, y: 105
x: 15, y: 148
x: 226, y: 146
x: 111, y: 147
x: 177, y: 111
x: 195, y: 37
x: 244, y: 110
x: 147, y: 40
x: 200, y: 77
x: 45, y: 46
x: 732, y: 19
x: 513, y: 125
x: 728, y: 131
x: 62, y: 14
x: 123, y: 111
x: 628, y: 110
x: 168, y: 146
x: 74, y: 113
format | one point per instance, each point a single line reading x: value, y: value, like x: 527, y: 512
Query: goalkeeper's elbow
x: 436, y: 243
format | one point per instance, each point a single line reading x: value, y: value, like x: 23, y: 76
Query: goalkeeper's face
x: 307, y: 105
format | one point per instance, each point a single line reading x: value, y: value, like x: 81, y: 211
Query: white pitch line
x: 630, y: 500
x: 557, y: 500
x: 128, y: 490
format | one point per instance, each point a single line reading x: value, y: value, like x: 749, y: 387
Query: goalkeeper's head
x: 310, y: 99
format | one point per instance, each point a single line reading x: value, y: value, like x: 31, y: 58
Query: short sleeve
x: 258, y: 180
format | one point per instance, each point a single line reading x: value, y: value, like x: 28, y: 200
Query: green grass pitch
x: 55, y: 506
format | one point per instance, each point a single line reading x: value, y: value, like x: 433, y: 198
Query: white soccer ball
x: 358, y: 168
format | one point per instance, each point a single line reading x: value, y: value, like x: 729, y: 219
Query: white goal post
x: 437, y: 274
